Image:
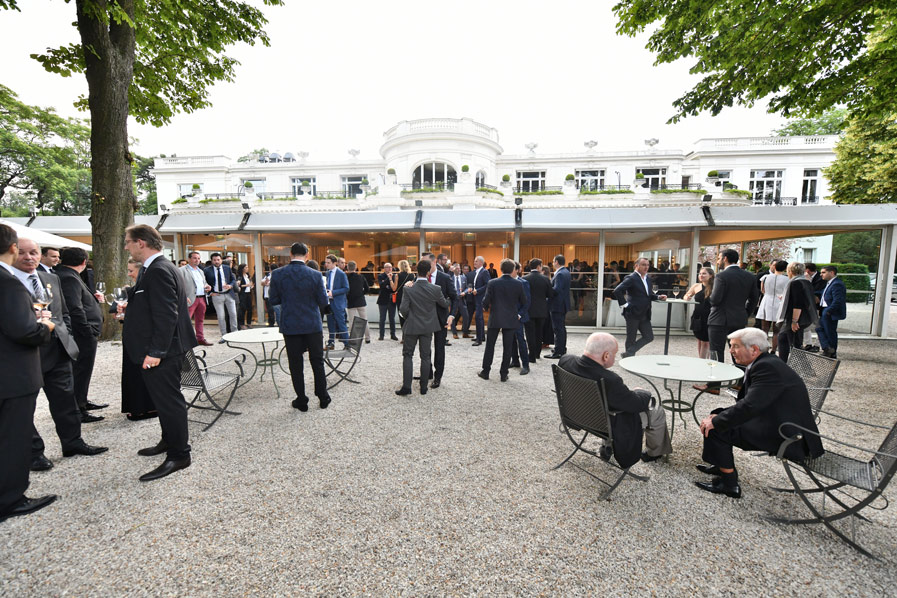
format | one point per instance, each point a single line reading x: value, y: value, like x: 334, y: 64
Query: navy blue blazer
x: 480, y: 283
x: 633, y: 291
x: 560, y: 303
x: 300, y: 293
x: 340, y: 288
x: 835, y: 297
x: 227, y: 277
x: 524, y: 311
x: 507, y: 300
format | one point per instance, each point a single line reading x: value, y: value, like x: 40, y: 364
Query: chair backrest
x: 888, y: 464
x: 191, y: 376
x: 582, y: 403
x: 356, y: 333
x: 816, y: 371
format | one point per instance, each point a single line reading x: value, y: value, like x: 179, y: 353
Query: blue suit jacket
x: 560, y: 303
x: 524, y: 311
x: 835, y: 296
x: 298, y: 290
x: 226, y: 274
x: 340, y: 288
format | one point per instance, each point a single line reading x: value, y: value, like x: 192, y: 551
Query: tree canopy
x: 865, y: 170
x: 831, y: 122
x: 804, y: 55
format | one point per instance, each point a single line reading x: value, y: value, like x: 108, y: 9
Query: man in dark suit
x: 420, y: 300
x: 833, y: 301
x: 734, y: 296
x: 519, y: 352
x: 635, y: 294
x: 49, y: 258
x: 298, y: 290
x: 87, y: 321
x: 506, y: 301
x: 772, y: 394
x: 20, y: 336
x: 156, y: 335
x: 478, y: 279
x: 443, y: 314
x: 56, y: 363
x: 337, y: 285
x: 221, y: 279
x: 558, y: 307
x: 635, y: 417
x: 459, y: 308
x: 442, y: 263
x: 541, y: 292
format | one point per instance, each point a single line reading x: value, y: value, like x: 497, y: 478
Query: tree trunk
x: 109, y: 59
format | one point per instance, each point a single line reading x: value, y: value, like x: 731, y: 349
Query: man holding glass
x: 635, y: 295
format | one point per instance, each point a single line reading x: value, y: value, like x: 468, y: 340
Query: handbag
x: 394, y: 297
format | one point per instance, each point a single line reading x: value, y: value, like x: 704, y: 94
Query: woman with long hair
x: 404, y: 275
x: 773, y: 287
x: 700, y: 292
x: 245, y: 283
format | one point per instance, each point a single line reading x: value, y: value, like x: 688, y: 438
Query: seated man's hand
x: 707, y: 425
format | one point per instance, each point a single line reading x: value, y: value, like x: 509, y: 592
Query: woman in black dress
x: 245, y: 283
x: 701, y: 292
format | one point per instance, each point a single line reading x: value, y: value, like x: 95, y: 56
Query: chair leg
x: 576, y: 450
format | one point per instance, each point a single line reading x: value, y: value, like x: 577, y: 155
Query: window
x: 766, y: 185
x: 186, y: 189
x: 481, y: 179
x: 434, y: 174
x: 808, y: 192
x: 352, y: 184
x: 530, y: 181
x: 258, y: 185
x: 809, y: 255
x: 655, y: 177
x: 590, y: 180
x: 296, y: 184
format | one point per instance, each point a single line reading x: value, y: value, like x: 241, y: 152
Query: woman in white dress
x: 773, y: 287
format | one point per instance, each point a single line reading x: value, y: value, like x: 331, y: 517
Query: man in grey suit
x: 734, y: 296
x: 419, y: 303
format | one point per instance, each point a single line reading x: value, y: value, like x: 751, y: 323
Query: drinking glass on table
x: 676, y: 291
x: 654, y: 288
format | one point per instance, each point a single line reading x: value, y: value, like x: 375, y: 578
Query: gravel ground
x: 448, y: 494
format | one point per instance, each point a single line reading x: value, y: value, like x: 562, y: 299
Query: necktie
x: 35, y: 286
x: 429, y: 278
x: 141, y: 273
x: 458, y: 284
x: 218, y: 274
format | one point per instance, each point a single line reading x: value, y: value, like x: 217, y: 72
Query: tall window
x: 434, y: 174
x: 808, y: 192
x: 530, y: 180
x: 766, y: 185
x: 186, y: 189
x: 655, y: 177
x: 725, y: 177
x: 296, y: 184
x: 481, y: 179
x: 258, y: 185
x: 351, y: 184
x: 590, y: 180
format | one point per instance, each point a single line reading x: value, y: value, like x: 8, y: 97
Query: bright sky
x: 340, y: 73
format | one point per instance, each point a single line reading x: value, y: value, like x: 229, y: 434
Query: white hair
x: 752, y: 337
x: 599, y: 342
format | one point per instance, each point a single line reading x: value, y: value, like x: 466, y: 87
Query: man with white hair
x: 772, y: 394
x: 633, y: 406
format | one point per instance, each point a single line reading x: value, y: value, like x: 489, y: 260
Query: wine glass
x: 42, y: 297
x: 712, y: 363
x: 101, y: 288
x: 654, y: 288
x: 676, y: 291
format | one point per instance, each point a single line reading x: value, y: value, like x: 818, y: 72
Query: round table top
x: 668, y: 300
x: 678, y: 367
x: 254, y: 335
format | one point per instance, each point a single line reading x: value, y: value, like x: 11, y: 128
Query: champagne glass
x: 101, y: 288
x: 712, y: 363
x: 676, y: 291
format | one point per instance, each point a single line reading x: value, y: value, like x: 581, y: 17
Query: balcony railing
x: 775, y: 201
x: 427, y: 187
x: 536, y: 190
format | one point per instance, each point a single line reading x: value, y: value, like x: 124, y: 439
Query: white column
x: 422, y: 244
x: 693, y: 274
x: 599, y: 288
x: 261, y: 316
x: 886, y: 266
x: 517, y: 247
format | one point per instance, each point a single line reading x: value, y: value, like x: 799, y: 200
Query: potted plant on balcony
x: 305, y: 187
x: 196, y: 188
x: 569, y: 180
x: 465, y: 173
x: 505, y: 180
x: 639, y: 180
x: 391, y: 176
x: 365, y: 185
x: 713, y: 178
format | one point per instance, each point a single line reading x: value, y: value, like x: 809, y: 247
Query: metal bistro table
x: 669, y: 303
x: 255, y: 336
x: 681, y: 370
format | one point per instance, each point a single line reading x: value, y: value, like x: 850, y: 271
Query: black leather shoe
x: 27, y: 506
x: 84, y: 449
x: 324, y: 402
x: 718, y: 487
x: 709, y: 469
x: 300, y: 405
x: 88, y: 418
x: 41, y: 463
x: 393, y: 338
x: 483, y: 374
x: 436, y: 383
x: 167, y: 468
x: 403, y: 391
x: 624, y: 355
x: 476, y: 343
x: 515, y: 364
x: 423, y: 390
x: 524, y: 371
x: 646, y: 458
x: 448, y: 344
x: 88, y: 406
x: 136, y: 417
x: 605, y: 452
x: 152, y: 451
x: 551, y: 356
x: 504, y: 378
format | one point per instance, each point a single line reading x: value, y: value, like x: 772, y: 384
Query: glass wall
x: 463, y: 247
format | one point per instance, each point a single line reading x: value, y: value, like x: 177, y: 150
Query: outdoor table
x: 669, y: 304
x: 681, y: 370
x: 256, y: 336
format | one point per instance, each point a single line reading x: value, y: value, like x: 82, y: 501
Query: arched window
x: 434, y: 174
x: 481, y: 179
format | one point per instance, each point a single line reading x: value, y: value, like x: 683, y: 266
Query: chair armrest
x: 239, y: 359
x: 789, y: 440
x: 855, y: 421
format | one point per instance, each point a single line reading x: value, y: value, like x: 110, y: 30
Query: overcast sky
x: 340, y: 73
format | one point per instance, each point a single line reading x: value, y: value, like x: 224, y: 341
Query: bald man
x: 635, y: 413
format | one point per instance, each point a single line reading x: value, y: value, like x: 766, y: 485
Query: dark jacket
x: 633, y: 291
x: 227, y: 277
x: 734, y: 295
x: 358, y: 287
x: 771, y: 395
x: 62, y: 339
x: 524, y: 311
x: 385, y: 296
x: 540, y: 292
x: 626, y: 426
x: 835, y: 296
x: 20, y: 336
x: 446, y: 283
x: 799, y: 295
x: 560, y: 302
x: 419, y: 304
x: 84, y: 311
x: 505, y: 299
x: 157, y: 321
x: 299, y: 290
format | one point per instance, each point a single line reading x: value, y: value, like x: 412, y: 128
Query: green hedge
x: 550, y: 192
x: 488, y: 190
x: 180, y: 200
x: 221, y: 200
x: 606, y: 191
x: 853, y: 283
x: 668, y: 191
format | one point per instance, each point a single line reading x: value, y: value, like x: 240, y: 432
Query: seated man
x: 633, y: 405
x: 772, y: 394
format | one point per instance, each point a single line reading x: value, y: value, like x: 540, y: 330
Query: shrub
x: 179, y: 200
x: 606, y: 191
x: 488, y: 190
x: 248, y: 184
x: 713, y: 174
x: 569, y: 177
x: 742, y: 192
x: 668, y: 191
x: 196, y: 186
x: 549, y: 192
x: 639, y: 175
x: 465, y: 168
x: 391, y: 171
x: 305, y: 184
x: 219, y: 200
x: 364, y: 182
x: 505, y: 178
